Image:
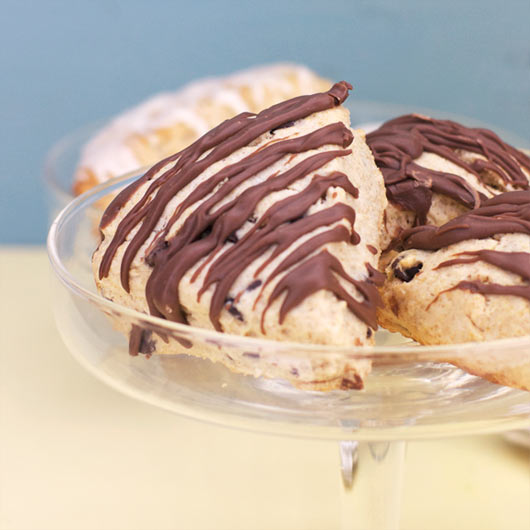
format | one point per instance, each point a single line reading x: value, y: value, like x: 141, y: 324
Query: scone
x: 468, y: 280
x: 267, y: 226
x: 435, y: 170
x: 169, y: 122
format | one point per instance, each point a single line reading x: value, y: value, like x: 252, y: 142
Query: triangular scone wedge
x: 466, y: 281
x: 268, y: 226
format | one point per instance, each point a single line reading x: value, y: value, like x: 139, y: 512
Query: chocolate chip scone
x: 435, y: 170
x: 267, y: 226
x: 170, y: 121
x: 468, y: 280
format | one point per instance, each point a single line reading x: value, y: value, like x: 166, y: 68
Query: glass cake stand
x: 411, y: 392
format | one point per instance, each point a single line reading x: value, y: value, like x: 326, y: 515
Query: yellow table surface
x: 75, y: 454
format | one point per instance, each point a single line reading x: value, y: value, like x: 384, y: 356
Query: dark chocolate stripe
x: 185, y: 249
x: 522, y: 291
x: 321, y: 272
x: 211, y: 226
x: 516, y: 262
x: 225, y: 139
x: 274, y: 229
x: 503, y: 214
x: 399, y: 142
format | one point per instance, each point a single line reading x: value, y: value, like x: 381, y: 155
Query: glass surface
x: 411, y: 392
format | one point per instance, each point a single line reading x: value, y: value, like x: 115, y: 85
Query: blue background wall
x: 67, y: 63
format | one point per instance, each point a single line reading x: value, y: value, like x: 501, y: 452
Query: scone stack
x: 457, y: 234
x: 267, y: 226
x: 271, y: 225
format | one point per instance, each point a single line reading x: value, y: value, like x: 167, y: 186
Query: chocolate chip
x: 408, y: 274
x: 232, y: 238
x: 235, y: 312
x: 205, y: 233
x: 254, y: 285
x: 405, y: 275
x: 251, y: 355
x: 252, y: 219
x: 283, y: 126
x: 369, y: 333
x: 294, y: 371
x: 232, y: 309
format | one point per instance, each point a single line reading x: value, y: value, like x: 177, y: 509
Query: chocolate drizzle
x: 215, y: 221
x: 516, y: 262
x: 522, y: 291
x: 503, y: 214
x: 399, y: 142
